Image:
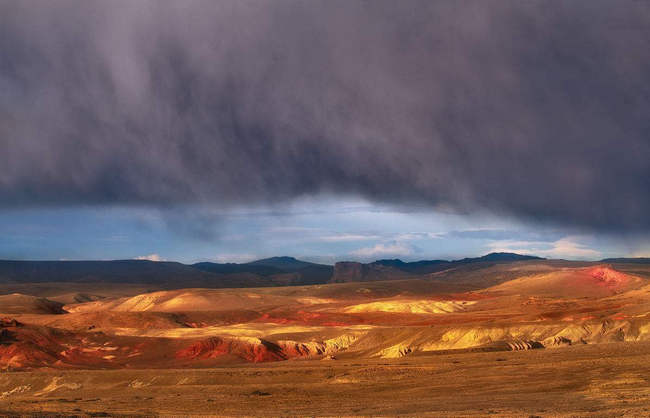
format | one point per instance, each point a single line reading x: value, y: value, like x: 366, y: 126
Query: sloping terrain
x: 17, y: 303
x: 118, y: 271
x: 275, y: 270
x: 411, y: 306
x: 347, y: 271
x: 183, y: 300
x: 597, y: 281
x: 480, y: 306
x: 167, y: 275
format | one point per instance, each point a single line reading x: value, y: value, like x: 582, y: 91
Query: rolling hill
x: 17, y: 303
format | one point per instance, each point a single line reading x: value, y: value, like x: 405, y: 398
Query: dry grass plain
x: 585, y: 380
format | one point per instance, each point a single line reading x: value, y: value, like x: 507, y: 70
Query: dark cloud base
x: 535, y: 109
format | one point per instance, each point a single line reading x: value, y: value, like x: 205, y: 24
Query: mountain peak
x: 499, y: 256
x: 283, y: 262
x: 282, y: 259
x: 503, y: 256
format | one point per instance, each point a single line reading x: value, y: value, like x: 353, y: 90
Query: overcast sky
x: 230, y: 130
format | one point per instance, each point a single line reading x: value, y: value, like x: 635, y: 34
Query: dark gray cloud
x: 536, y: 109
x: 548, y: 235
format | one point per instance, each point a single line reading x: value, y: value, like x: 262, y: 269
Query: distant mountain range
x: 349, y: 271
x: 633, y: 260
x: 274, y: 271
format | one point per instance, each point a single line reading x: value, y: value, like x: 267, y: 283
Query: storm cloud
x: 534, y: 109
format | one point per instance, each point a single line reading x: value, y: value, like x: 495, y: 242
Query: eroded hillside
x: 526, y: 306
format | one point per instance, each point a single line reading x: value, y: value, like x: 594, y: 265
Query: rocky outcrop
x: 257, y: 350
x: 523, y: 345
x: 252, y: 350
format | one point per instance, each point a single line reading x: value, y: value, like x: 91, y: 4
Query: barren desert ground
x: 531, y: 338
x: 584, y: 380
